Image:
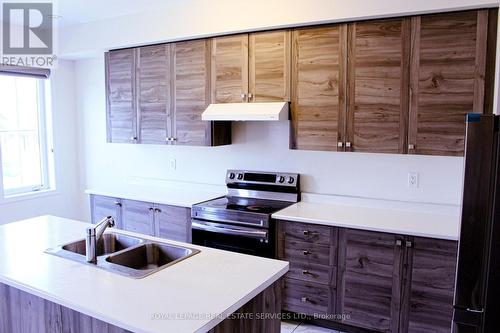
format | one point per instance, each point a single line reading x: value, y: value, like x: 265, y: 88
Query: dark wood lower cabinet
x: 369, y: 279
x: 21, y: 312
x: 165, y: 221
x: 430, y: 288
x: 375, y: 282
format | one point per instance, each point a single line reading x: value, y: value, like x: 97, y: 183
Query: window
x: 24, y: 151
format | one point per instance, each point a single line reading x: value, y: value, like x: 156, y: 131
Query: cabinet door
x: 173, y: 223
x: 120, y: 92
x: 429, y: 298
x: 191, y: 92
x: 318, y: 87
x: 153, y: 80
x: 369, y: 286
x: 138, y: 216
x: 102, y: 207
x: 447, y: 79
x: 269, y: 62
x: 378, y: 86
x: 229, y: 69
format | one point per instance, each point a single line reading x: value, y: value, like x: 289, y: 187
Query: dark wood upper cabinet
x: 121, y: 96
x: 447, y: 79
x: 377, y: 108
x: 156, y: 95
x: 269, y: 66
x: 229, y: 69
x: 318, y: 87
x: 370, y: 279
x: 251, y: 67
x: 153, y: 93
x: 428, y: 301
x: 191, y: 89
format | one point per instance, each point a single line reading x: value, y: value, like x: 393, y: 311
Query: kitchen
x: 129, y: 140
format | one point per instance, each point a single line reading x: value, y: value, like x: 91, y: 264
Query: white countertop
x: 414, y: 219
x: 172, y: 193
x: 209, y: 284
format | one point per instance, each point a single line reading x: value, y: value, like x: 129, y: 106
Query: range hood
x: 275, y: 111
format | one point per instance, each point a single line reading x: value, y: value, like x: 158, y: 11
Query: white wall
x: 66, y: 200
x: 257, y: 146
x: 199, y: 18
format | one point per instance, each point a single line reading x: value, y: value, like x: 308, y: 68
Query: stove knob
x: 282, y: 179
x: 232, y: 175
x: 290, y: 180
x: 240, y: 176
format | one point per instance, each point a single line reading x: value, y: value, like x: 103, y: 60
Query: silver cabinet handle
x: 409, y: 244
x: 411, y: 146
x: 306, y: 232
x: 117, y: 203
x: 340, y: 144
x: 304, y: 299
x: 348, y: 144
x: 134, y: 138
x: 157, y: 210
x: 151, y: 209
x: 305, y: 252
x: 305, y: 272
x: 171, y: 139
x: 399, y: 242
x: 250, y: 96
x: 243, y: 97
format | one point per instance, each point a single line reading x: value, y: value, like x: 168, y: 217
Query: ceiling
x: 83, y: 11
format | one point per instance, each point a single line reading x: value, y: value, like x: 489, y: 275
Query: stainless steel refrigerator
x: 477, y: 286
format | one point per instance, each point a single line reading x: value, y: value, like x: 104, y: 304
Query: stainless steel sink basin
x: 126, y: 255
x: 150, y: 257
x: 109, y: 243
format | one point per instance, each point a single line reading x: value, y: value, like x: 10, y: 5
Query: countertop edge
x: 172, y: 202
x: 333, y: 223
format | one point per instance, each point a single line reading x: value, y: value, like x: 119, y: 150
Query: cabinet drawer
x: 308, y: 298
x: 313, y: 273
x: 309, y: 253
x: 318, y: 234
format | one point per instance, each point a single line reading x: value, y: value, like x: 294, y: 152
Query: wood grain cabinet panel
x: 138, y: 216
x: 229, y: 68
x: 173, y: 223
x: 447, y: 79
x: 191, y: 92
x: 307, y: 298
x: 377, y: 86
x: 318, y: 87
x: 120, y: 93
x: 153, y: 89
x: 430, y: 290
x: 269, y: 66
x: 102, y: 207
x: 370, y: 280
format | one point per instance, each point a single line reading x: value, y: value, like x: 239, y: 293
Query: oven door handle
x: 213, y: 227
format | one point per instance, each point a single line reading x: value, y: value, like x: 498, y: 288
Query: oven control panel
x: 263, y: 178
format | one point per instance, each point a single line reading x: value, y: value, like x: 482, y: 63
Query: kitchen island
x: 40, y: 292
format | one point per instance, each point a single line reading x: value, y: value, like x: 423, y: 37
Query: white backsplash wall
x: 256, y: 146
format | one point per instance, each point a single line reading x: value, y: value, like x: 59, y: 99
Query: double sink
x: 126, y: 255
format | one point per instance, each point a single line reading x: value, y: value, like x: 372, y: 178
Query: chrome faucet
x: 93, y: 235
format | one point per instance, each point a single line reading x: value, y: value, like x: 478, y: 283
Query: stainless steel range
x: 241, y: 221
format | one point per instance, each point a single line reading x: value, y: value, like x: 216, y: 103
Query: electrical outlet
x: 413, y: 180
x: 173, y: 164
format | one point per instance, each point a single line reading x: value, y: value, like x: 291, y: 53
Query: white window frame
x: 46, y: 151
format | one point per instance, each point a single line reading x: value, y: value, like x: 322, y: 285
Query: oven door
x: 253, y: 241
